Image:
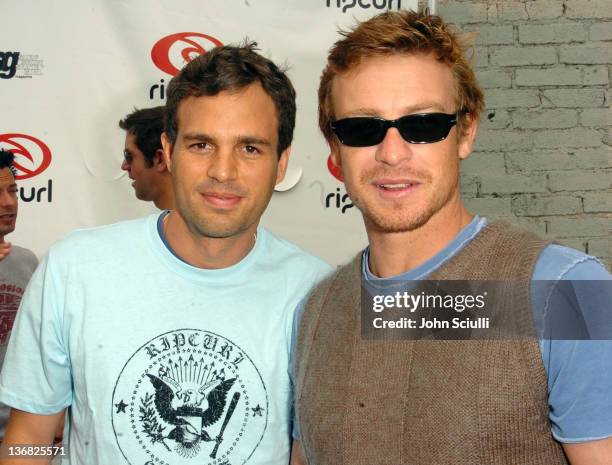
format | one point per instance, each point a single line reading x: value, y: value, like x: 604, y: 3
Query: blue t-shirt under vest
x: 579, y: 371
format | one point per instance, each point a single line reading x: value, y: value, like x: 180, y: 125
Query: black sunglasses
x: 419, y: 128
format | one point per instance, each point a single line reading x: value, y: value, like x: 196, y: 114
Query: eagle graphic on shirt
x: 189, y: 396
x: 190, y: 403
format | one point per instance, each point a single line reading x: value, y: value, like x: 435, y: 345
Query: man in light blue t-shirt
x: 168, y: 337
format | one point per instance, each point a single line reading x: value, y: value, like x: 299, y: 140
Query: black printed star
x: 121, y: 407
x: 257, y: 411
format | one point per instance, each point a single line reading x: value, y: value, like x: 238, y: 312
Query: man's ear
x: 283, y: 162
x: 166, y: 151
x: 468, y: 137
x: 158, y: 161
x: 334, y: 161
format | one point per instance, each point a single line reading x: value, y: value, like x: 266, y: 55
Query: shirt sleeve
x: 36, y: 375
x: 324, y: 271
x: 579, y: 371
x: 295, y: 432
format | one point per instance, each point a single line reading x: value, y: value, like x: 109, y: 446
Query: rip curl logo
x: 32, y: 156
x: 364, y: 4
x: 186, y: 397
x: 339, y: 199
x: 172, y: 52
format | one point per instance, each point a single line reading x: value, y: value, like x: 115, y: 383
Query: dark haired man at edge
x: 168, y: 337
x: 399, y: 107
x: 143, y: 157
x: 16, y: 266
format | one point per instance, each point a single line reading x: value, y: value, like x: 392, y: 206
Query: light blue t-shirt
x: 160, y: 361
x: 579, y: 371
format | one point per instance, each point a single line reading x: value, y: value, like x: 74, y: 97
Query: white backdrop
x: 83, y: 65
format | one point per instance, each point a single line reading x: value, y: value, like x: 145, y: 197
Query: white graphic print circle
x: 189, y: 396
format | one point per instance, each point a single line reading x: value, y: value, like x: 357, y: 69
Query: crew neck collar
x: 459, y: 241
x: 173, y: 261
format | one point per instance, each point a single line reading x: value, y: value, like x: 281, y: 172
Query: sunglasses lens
x: 426, y: 128
x: 360, y: 132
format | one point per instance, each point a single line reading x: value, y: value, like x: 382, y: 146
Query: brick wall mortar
x: 543, y: 156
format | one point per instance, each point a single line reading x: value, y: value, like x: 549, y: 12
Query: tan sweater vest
x: 364, y: 402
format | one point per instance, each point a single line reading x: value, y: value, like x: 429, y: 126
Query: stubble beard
x: 205, y: 227
x: 397, y: 218
x: 140, y: 195
x: 202, y: 225
x: 4, y: 230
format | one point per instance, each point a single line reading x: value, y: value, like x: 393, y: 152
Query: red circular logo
x: 32, y: 156
x: 334, y: 169
x: 180, y: 48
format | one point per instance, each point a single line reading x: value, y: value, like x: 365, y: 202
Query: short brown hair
x: 399, y: 32
x: 6, y: 161
x: 230, y: 68
x: 146, y: 124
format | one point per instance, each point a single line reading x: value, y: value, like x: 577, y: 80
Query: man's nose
x: 393, y: 149
x: 8, y: 200
x: 223, y: 166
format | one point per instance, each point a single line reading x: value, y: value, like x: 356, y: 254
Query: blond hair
x: 399, y: 32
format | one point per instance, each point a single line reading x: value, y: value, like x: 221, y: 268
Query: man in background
x: 143, y: 157
x: 16, y: 266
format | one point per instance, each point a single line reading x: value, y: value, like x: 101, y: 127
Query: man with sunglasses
x: 399, y: 107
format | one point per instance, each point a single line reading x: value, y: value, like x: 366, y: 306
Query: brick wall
x: 543, y: 155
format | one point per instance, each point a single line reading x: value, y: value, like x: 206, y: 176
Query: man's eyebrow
x: 362, y: 112
x: 252, y: 140
x: 197, y: 136
x: 419, y: 107
x: 242, y: 140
